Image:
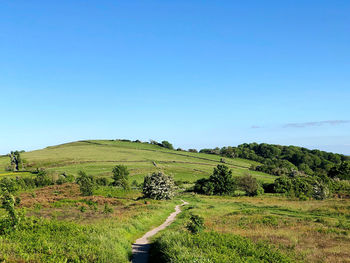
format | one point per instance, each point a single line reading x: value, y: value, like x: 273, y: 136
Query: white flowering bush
x: 158, y: 186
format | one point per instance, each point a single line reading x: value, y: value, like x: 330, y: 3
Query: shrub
x: 158, y: 186
x: 29, y: 182
x: 42, y: 179
x: 250, y: 185
x: 219, y: 183
x: 8, y: 185
x: 64, y: 178
x: 283, y: 185
x: 320, y: 191
x: 107, y: 209
x: 120, y: 176
x: 192, y: 150
x: 102, y: 181
x: 196, y: 224
x: 86, y: 183
x: 8, y: 203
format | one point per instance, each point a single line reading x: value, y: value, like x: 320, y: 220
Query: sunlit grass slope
x: 98, y: 157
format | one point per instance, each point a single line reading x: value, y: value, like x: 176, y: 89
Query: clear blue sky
x: 196, y: 73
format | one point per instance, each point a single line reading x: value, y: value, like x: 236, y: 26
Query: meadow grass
x: 309, y: 231
x: 98, y: 157
x: 60, y: 231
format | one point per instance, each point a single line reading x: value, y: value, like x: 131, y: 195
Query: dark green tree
x: 86, y: 183
x: 220, y: 182
x: 120, y: 176
x: 167, y: 145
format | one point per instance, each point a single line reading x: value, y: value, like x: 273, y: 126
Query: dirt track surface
x: 140, y: 249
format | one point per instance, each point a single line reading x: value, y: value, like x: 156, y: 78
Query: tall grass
x: 183, y: 247
x: 109, y: 240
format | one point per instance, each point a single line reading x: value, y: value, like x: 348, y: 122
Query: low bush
x: 196, y: 224
x: 42, y: 179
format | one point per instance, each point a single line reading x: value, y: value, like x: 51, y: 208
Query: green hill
x: 98, y: 157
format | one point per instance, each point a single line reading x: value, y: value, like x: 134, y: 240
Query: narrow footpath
x: 140, y: 249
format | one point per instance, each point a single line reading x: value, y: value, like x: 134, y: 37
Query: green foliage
x: 341, y: 187
x: 42, y: 179
x: 64, y: 178
x: 341, y: 171
x: 107, y: 209
x: 8, y: 185
x: 102, y: 181
x: 250, y: 185
x: 158, y: 186
x: 167, y: 145
x: 303, y: 187
x: 86, y: 183
x: 280, y: 160
x: 12, y: 220
x: 183, y: 247
x: 16, y: 160
x: 120, y: 176
x: 107, y: 240
x: 220, y: 182
x: 196, y: 224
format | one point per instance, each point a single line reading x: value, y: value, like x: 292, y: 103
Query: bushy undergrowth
x: 181, y: 246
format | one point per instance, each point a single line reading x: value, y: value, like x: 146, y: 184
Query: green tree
x: 250, y: 185
x: 341, y: 171
x: 86, y: 183
x: 168, y: 145
x: 120, y: 176
x: 220, y: 182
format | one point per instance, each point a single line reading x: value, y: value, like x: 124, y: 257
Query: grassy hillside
x: 98, y: 157
x: 102, y: 227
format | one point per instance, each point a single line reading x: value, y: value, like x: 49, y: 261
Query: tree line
x: 282, y: 160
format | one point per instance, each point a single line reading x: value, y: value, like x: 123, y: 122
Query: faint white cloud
x: 315, y: 123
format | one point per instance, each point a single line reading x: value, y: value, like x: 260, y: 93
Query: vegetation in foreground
x: 285, y: 229
x: 89, y: 194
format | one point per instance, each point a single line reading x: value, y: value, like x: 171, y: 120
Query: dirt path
x: 142, y: 245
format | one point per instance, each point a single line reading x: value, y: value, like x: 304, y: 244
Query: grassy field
x: 99, y: 157
x: 63, y: 226
x: 294, y: 231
